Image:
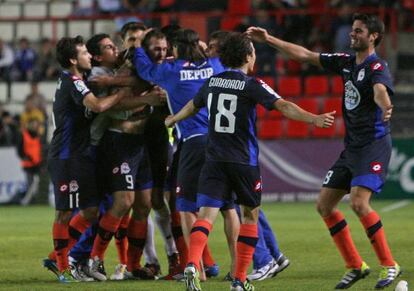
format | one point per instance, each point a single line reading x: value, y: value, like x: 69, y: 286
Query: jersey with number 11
x: 231, y: 99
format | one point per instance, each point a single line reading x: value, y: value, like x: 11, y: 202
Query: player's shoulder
x: 378, y: 65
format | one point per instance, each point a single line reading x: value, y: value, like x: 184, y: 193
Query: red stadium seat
x: 239, y: 7
x: 273, y: 114
x: 289, y: 86
x: 316, y: 85
x: 293, y: 67
x: 333, y: 103
x: 337, y: 86
x: 340, y: 126
x: 260, y: 111
x: 297, y: 129
x: 309, y: 103
x: 324, y: 132
x: 269, y: 129
x: 230, y: 22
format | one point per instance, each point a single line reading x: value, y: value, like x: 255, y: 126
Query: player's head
x: 132, y: 34
x: 170, y: 32
x: 155, y: 44
x: 103, y: 50
x: 186, y: 46
x: 71, y: 52
x: 367, y: 30
x: 215, y: 41
x: 237, y: 51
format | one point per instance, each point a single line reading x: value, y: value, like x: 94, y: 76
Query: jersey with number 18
x: 231, y: 98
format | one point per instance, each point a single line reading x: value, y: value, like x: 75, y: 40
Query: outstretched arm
x: 293, y: 111
x: 382, y: 99
x: 291, y: 50
x: 188, y: 110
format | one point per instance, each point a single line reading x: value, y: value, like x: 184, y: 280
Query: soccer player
x: 362, y: 167
x: 232, y: 151
x: 182, y: 78
x: 70, y: 161
x: 267, y: 258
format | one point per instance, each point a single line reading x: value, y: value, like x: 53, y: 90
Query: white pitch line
x: 396, y: 205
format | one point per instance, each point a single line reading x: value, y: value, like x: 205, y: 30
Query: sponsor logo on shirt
x: 186, y: 75
x: 115, y: 170
x: 73, y: 186
x: 377, y: 66
x: 376, y: 167
x: 258, y: 186
x: 268, y: 88
x: 178, y: 190
x: 63, y: 188
x: 352, y: 96
x: 125, y: 169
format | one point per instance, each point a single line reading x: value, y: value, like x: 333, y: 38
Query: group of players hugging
x: 116, y: 153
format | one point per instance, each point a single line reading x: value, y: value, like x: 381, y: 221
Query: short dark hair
x: 93, y: 46
x: 170, y: 31
x: 188, y: 48
x: 373, y: 24
x: 157, y: 33
x: 235, y: 49
x: 134, y: 26
x: 66, y: 49
x: 220, y: 36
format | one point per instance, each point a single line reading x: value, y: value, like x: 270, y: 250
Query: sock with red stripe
x: 207, y: 257
x: 60, y: 242
x: 341, y: 235
x: 179, y: 238
x: 121, y: 240
x: 246, y: 244
x: 375, y: 232
x: 137, y: 234
x: 106, y: 229
x: 198, y: 241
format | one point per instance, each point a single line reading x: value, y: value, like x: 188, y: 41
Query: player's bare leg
x: 231, y: 229
x: 360, y: 198
x: 340, y: 232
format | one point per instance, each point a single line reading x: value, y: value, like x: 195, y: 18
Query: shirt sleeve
x: 199, y: 99
x: 334, y: 62
x: 263, y: 94
x: 79, y: 90
x: 381, y: 74
x: 152, y: 72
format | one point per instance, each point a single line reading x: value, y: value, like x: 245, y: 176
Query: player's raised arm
x: 293, y: 111
x: 293, y: 51
x: 102, y: 104
x: 188, y: 110
x: 382, y: 99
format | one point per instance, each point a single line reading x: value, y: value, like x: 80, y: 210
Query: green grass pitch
x: 25, y: 238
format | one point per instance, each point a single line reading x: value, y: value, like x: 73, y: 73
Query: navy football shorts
x: 365, y: 166
x: 127, y: 162
x: 74, y: 183
x: 218, y: 181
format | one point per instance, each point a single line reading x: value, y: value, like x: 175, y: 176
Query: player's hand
x: 386, y: 114
x: 169, y: 121
x: 101, y: 81
x: 257, y: 34
x: 157, y: 96
x: 325, y: 120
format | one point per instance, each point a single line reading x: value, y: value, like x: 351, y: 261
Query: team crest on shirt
x: 80, y: 86
x: 73, y: 186
x: 352, y: 96
x: 376, y: 167
x: 115, y: 170
x: 361, y: 74
x: 125, y: 169
x: 63, y: 188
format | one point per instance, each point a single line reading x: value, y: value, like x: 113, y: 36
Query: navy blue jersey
x: 362, y: 116
x: 182, y: 80
x: 231, y: 98
x: 72, y: 119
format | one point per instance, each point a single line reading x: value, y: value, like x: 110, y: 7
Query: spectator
x: 32, y: 112
x: 29, y: 149
x: 46, y: 67
x: 109, y: 6
x: 341, y: 27
x: 8, y: 129
x: 6, y: 61
x: 25, y: 59
x: 85, y: 8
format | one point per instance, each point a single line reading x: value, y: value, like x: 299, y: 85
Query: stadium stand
x: 289, y: 86
x: 316, y: 86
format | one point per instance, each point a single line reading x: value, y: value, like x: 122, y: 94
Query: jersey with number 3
x: 231, y: 99
x: 362, y: 116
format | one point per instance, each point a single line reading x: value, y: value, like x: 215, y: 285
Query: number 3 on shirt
x: 223, y: 112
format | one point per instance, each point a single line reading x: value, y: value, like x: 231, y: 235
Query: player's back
x: 231, y: 98
x: 71, y: 118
